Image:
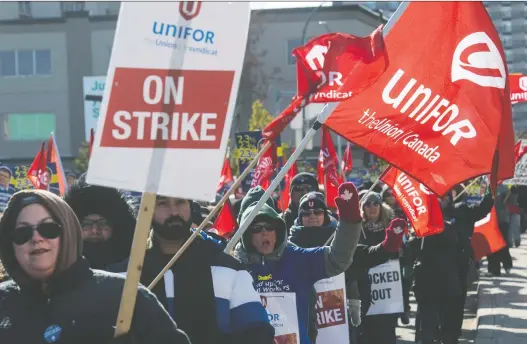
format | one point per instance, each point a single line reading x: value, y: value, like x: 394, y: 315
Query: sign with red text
x: 331, y: 308
x: 170, y: 96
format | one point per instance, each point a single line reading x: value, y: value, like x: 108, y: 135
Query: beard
x: 174, y: 228
x: 99, y: 253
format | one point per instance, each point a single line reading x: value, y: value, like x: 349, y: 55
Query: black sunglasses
x: 48, y: 230
x: 304, y: 187
x: 317, y: 212
x: 259, y: 228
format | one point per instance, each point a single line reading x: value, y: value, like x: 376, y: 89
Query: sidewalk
x: 502, y: 309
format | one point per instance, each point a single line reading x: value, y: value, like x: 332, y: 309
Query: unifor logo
x: 478, y: 60
x: 523, y: 83
x: 189, y: 9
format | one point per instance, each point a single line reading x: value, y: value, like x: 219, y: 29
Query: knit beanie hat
x: 312, y: 200
x: 370, y: 197
x: 304, y: 178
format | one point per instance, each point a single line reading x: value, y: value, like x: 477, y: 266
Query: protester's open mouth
x: 266, y: 243
x: 38, y: 251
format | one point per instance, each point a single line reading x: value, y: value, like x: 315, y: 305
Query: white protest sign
x: 386, y: 288
x: 331, y: 308
x: 92, y: 86
x: 520, y: 170
x: 170, y: 96
x: 282, y: 313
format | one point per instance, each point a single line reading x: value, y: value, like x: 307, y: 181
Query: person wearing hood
x: 314, y: 227
x: 54, y: 296
x: 301, y: 184
x: 285, y: 267
x: 441, y: 268
x: 207, y: 292
x: 107, y: 222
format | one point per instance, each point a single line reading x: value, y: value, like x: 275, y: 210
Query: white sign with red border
x: 170, y: 96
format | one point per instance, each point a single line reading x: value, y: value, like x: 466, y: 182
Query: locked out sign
x: 170, y: 97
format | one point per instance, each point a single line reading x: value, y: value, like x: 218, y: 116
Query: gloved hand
x: 348, y: 203
x: 354, y: 311
x: 394, y: 235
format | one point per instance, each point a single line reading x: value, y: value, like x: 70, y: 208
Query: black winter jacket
x: 81, y: 306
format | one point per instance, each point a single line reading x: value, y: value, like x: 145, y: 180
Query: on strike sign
x: 331, y: 308
x: 170, y: 97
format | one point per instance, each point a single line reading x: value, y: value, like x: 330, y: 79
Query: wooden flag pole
x: 135, y: 264
x: 218, y: 206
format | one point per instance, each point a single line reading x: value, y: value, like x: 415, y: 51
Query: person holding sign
x: 285, y: 273
x: 314, y: 227
x: 207, y: 292
x: 54, y: 296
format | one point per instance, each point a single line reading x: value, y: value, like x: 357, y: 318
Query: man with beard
x: 207, y: 292
x: 107, y: 221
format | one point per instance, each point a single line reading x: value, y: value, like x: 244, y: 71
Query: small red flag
x: 37, y: 172
x: 285, y: 197
x: 226, y: 175
x: 487, y: 237
x: 347, y: 160
x: 54, y: 156
x: 225, y: 223
x: 265, y: 168
x: 327, y: 173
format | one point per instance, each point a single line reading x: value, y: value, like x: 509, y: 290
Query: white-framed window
x: 25, y: 62
x: 72, y: 6
x: 24, y: 8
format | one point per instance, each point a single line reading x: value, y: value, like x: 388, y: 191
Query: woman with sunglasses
x: 54, y: 297
x: 278, y: 266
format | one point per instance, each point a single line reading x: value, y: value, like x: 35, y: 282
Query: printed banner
x: 13, y: 178
x: 92, y: 86
x: 518, y: 87
x: 246, y: 144
x: 386, y: 288
x: 282, y: 314
x: 331, y: 308
x: 171, y: 91
x: 520, y: 171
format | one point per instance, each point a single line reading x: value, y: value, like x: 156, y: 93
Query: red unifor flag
x: 440, y: 112
x: 420, y: 205
x: 327, y: 168
x: 285, y: 196
x: 519, y: 151
x: 225, y: 223
x: 226, y: 175
x: 347, y: 160
x: 330, y: 68
x: 518, y: 88
x: 36, y: 171
x: 264, y: 170
x: 487, y: 237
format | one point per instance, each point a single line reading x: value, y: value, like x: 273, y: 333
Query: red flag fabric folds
x: 36, y: 172
x: 225, y: 223
x: 487, y: 237
x: 437, y: 105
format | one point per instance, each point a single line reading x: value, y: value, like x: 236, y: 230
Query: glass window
x: 29, y: 126
x: 43, y: 62
x: 291, y: 44
x: 25, y: 62
x: 7, y: 63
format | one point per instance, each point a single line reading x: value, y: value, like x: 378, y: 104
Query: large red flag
x: 226, y: 175
x: 285, y: 196
x: 332, y: 67
x: 36, y: 172
x: 487, y: 237
x: 347, y: 160
x: 419, y: 204
x: 327, y: 168
x: 53, y: 155
x: 225, y: 223
x: 437, y: 106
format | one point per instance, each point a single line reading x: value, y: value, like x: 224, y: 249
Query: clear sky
x: 281, y: 4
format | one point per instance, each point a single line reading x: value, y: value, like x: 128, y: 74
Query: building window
x: 506, y: 41
x: 28, y: 126
x: 506, y: 12
x: 25, y: 62
x: 24, y: 9
x: 506, y: 27
x: 7, y: 63
x: 72, y: 6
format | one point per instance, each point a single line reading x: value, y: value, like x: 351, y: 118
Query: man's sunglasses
x: 305, y: 188
x: 259, y: 228
x: 316, y: 212
x: 47, y: 230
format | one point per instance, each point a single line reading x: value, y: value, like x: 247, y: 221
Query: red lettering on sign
x: 156, y: 108
x: 330, y: 308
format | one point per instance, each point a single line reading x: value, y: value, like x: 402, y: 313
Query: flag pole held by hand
x: 213, y: 212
